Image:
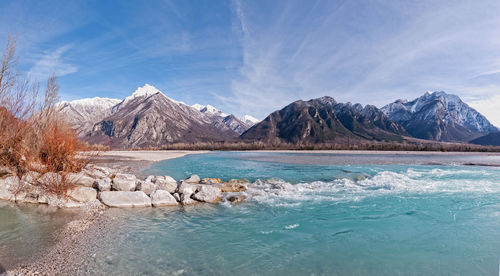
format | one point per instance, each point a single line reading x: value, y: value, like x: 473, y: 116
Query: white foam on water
x: 278, y: 193
x: 292, y: 226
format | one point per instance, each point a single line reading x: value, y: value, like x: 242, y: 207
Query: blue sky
x: 253, y: 57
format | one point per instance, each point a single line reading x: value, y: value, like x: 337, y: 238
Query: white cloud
x: 489, y: 107
x: 52, y: 63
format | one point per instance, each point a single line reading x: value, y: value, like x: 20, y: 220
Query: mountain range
x: 148, y: 118
x: 325, y: 120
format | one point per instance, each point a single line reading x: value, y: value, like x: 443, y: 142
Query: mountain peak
x: 439, y: 116
x: 250, y: 119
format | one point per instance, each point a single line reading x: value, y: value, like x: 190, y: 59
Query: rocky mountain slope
x: 439, y: 116
x: 325, y: 120
x: 83, y: 114
x: 220, y: 118
x: 492, y: 139
x: 148, y: 118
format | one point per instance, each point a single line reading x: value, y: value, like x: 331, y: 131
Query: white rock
x: 194, y: 179
x: 82, y: 194
x: 49, y: 179
x: 5, y: 171
x: 186, y: 200
x: 7, y: 186
x: 177, y: 197
x: 208, y: 193
x: 30, y: 177
x: 186, y: 189
x: 103, y: 184
x: 96, y: 173
x: 163, y: 198
x: 61, y: 202
x: 124, y: 182
x: 166, y: 183
x: 80, y: 179
x: 125, y: 199
x: 146, y: 186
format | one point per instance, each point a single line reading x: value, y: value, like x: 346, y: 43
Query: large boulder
x: 211, y: 181
x: 7, y: 187
x: 146, y: 186
x: 125, y: 199
x: 28, y: 193
x: 80, y: 179
x: 103, y: 184
x: 231, y: 187
x: 207, y: 193
x: 60, y: 201
x: 30, y: 177
x: 124, y: 182
x: 194, y: 179
x: 166, y: 183
x: 187, y: 200
x: 82, y: 194
x: 50, y: 179
x: 186, y: 189
x: 97, y: 172
x: 5, y: 171
x: 161, y: 198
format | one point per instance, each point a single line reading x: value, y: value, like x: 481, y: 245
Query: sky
x: 254, y: 57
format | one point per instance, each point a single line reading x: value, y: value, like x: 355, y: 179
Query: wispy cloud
x: 52, y: 63
x: 372, y: 52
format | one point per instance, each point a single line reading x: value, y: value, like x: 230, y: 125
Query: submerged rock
x: 163, y: 198
x: 236, y: 198
x: 125, y: 199
x: 124, y: 182
x: 208, y: 193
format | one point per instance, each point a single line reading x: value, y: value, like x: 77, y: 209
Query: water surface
x: 307, y: 217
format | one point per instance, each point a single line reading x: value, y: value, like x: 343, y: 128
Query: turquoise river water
x: 318, y: 214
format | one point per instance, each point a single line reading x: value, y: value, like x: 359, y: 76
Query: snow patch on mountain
x: 250, y: 120
x: 209, y: 110
x: 447, y: 116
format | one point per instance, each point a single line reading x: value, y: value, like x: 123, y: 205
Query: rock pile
x: 114, y: 189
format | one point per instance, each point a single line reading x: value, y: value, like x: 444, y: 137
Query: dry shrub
x: 33, y: 136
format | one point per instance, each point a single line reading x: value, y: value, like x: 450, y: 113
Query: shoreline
x: 134, y: 162
x: 80, y: 236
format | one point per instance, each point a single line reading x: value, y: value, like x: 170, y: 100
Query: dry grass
x: 34, y: 137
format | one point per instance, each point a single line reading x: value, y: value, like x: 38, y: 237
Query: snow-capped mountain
x: 150, y: 118
x: 83, y: 114
x: 249, y: 120
x: 236, y: 124
x: 439, y: 116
